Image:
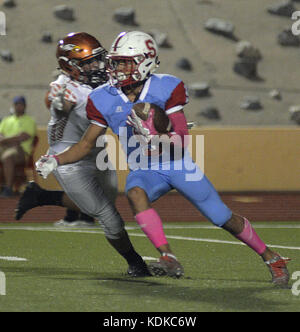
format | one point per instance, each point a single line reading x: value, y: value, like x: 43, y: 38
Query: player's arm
x: 48, y: 163
x: 83, y: 147
x: 64, y: 105
x: 60, y: 98
x: 88, y: 141
x: 174, y: 110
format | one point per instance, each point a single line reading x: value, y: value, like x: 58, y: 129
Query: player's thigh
x: 213, y: 208
x: 202, y: 194
x: 152, y: 182
x: 81, y: 185
x: 108, y: 180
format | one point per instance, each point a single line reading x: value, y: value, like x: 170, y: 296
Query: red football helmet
x: 82, y: 57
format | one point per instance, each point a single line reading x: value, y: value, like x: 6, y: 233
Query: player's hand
x: 46, y: 164
x: 140, y: 127
x: 58, y: 94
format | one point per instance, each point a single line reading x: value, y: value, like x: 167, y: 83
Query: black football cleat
x: 28, y: 200
x: 138, y: 271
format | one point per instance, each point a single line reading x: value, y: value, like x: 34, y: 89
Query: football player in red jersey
x: 133, y: 59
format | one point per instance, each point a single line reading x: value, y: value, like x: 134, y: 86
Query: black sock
x: 71, y: 215
x: 124, y: 247
x: 133, y: 258
x: 50, y: 197
x: 85, y: 217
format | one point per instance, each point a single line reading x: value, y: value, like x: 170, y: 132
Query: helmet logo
x: 121, y: 35
x: 71, y: 47
x: 150, y: 47
x: 97, y: 50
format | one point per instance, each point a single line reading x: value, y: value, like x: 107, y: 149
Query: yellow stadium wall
x: 235, y: 159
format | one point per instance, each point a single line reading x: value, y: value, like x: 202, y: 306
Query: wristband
x: 56, y: 158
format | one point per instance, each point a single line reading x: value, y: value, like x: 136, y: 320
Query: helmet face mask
x: 132, y: 58
x: 81, y: 57
x: 93, y: 71
x: 124, y: 71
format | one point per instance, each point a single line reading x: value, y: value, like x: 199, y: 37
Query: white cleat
x: 75, y: 223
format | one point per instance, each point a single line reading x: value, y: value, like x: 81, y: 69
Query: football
x: 160, y: 120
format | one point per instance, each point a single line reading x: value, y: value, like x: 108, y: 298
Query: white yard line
x: 148, y: 258
x: 166, y: 226
x: 217, y: 241
x: 262, y: 226
x: 185, y: 238
x: 13, y: 259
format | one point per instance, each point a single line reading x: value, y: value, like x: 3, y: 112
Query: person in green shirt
x: 17, y: 132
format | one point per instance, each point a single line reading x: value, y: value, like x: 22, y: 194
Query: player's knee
x: 220, y: 219
x: 235, y: 224
x: 117, y: 235
x: 136, y: 195
x: 112, y: 228
x: 111, y: 235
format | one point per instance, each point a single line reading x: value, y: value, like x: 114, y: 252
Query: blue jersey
x: 109, y: 107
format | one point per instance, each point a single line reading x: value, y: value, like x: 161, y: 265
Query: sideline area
x: 175, y: 208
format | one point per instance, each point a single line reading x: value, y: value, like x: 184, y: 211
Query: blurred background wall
x: 242, y: 72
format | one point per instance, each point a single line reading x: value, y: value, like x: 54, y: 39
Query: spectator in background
x: 17, y: 132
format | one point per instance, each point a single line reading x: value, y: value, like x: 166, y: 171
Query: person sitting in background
x: 17, y: 132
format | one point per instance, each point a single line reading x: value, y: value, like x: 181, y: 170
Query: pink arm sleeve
x: 179, y: 135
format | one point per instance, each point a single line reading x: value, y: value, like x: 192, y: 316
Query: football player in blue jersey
x: 132, y: 61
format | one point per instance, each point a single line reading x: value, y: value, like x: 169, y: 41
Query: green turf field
x: 76, y: 270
